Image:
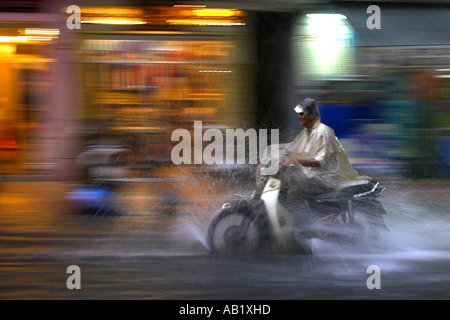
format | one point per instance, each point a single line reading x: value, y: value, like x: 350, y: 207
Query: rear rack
x: 360, y: 195
x: 379, y: 192
x: 375, y: 192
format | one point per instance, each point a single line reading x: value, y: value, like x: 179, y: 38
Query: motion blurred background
x: 101, y: 101
x: 86, y: 118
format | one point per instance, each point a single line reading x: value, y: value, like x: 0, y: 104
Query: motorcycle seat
x: 351, y: 183
x: 350, y: 189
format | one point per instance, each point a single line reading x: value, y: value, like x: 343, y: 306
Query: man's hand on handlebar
x: 284, y: 162
x: 309, y: 162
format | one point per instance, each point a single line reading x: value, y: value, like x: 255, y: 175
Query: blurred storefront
x: 26, y: 62
x: 385, y: 91
x: 129, y: 76
x: 169, y: 67
x: 133, y: 73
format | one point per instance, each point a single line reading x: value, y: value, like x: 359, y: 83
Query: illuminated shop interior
x: 143, y: 84
x: 25, y: 61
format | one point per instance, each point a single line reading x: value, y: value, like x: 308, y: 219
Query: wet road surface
x: 154, y: 252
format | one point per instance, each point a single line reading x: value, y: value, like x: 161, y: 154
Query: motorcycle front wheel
x: 233, y: 231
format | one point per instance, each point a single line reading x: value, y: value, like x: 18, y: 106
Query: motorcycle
x: 350, y: 215
x: 103, y: 166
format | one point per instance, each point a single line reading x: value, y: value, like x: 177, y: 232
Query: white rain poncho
x: 322, y: 145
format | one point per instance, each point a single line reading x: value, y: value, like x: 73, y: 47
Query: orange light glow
x: 200, y: 110
x: 13, y: 39
x: 224, y: 23
x: 216, y: 12
x: 115, y: 21
x: 41, y: 32
x: 7, y: 49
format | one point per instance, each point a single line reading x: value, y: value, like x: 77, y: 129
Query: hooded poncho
x: 322, y: 145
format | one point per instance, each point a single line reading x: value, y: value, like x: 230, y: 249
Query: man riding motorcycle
x: 315, y: 162
x: 316, y: 193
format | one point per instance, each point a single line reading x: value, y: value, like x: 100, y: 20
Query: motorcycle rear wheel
x: 360, y: 230
x: 234, y: 231
x: 365, y: 227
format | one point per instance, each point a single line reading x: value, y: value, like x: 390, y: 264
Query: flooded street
x: 153, y: 252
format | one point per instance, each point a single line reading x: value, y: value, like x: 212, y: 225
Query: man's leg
x: 296, y: 199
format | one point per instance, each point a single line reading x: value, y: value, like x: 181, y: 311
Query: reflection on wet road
x: 150, y: 253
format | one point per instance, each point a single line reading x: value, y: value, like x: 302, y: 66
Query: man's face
x: 306, y: 118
